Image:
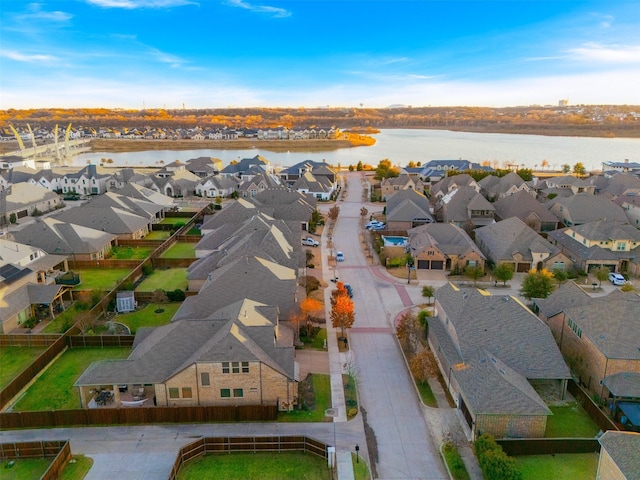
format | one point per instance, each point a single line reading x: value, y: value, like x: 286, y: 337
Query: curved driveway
x: 405, y: 449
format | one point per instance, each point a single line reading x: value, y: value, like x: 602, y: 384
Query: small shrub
x: 147, y: 269
x: 627, y: 287
x: 30, y: 322
x: 176, y: 295
x: 312, y: 284
x: 178, y: 225
x: 495, y: 464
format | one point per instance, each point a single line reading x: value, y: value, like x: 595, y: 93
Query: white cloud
x: 615, y: 53
x: 36, y: 13
x: 271, y: 11
x: 22, y: 57
x: 133, y: 4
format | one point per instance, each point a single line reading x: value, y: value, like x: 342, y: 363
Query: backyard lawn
x: 63, y: 321
x: 570, y: 421
x: 181, y: 250
x: 320, y: 401
x: 149, y: 316
x: 77, y: 470
x: 174, y: 220
x: 14, y: 360
x: 24, y: 468
x: 583, y: 466
x: 158, y: 235
x: 54, y: 389
x: 100, y: 278
x: 258, y: 466
x: 127, y: 252
x: 164, y: 279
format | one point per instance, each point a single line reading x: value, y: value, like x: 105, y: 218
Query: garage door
x: 523, y: 267
x: 423, y: 264
x: 437, y: 265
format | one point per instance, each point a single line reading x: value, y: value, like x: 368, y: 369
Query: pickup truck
x: 310, y: 242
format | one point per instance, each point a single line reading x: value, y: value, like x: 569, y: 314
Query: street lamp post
x: 357, y: 453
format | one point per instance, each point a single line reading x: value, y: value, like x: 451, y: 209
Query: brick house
x: 495, y: 356
x: 239, y: 355
x: 389, y: 186
x: 598, y: 337
x: 619, y: 456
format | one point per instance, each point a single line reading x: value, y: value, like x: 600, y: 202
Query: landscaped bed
x: 181, y: 250
x: 63, y: 321
x: 262, y: 466
x: 100, y: 278
x: 583, y: 466
x: 14, y: 360
x: 54, y: 389
x: 152, y: 315
x: 570, y: 421
x: 167, y: 279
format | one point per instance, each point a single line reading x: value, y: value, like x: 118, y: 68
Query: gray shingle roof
x: 624, y: 384
x: 521, y: 205
x: 566, y: 295
x: 585, y: 208
x: 624, y: 449
x: 448, y: 238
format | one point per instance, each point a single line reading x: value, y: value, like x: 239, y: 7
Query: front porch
x: 117, y: 396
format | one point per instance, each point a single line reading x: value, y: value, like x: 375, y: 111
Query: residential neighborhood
x: 201, y: 292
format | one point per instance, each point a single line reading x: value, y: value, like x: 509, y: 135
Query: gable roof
x: 585, y: 208
x: 508, y: 237
x: 108, y: 219
x: 521, y: 205
x: 566, y: 295
x: 446, y: 237
x: 624, y: 449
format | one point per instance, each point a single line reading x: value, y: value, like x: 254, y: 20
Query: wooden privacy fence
x: 100, y: 340
x: 597, y: 415
x: 545, y: 446
x: 138, y: 416
x: 28, y: 340
x: 220, y: 445
x: 80, y: 264
x: 59, y: 449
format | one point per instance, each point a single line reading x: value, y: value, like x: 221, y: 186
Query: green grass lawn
x: 127, y: 252
x: 77, y: 470
x: 350, y: 395
x: 158, y: 235
x: 14, y: 360
x: 454, y: 462
x: 181, y: 250
x: 166, y: 279
x: 174, y: 220
x: 360, y: 468
x: 583, y: 466
x: 147, y: 316
x: 54, y: 389
x: 315, y: 342
x: 426, y: 394
x: 258, y: 466
x: 570, y: 421
x: 100, y: 278
x: 63, y: 321
x: 24, y: 468
x: 322, y: 389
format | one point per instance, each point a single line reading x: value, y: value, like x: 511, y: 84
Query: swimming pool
x: 395, y: 241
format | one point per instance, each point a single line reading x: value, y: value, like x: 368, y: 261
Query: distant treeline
x: 581, y: 120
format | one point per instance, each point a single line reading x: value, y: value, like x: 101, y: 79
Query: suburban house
x: 27, y: 284
x: 512, y: 241
x: 204, y: 166
x: 598, y: 337
x: 9, y: 162
x: 47, y: 179
x: 585, y: 208
x: 619, y: 456
x: 215, y: 186
x: 255, y: 181
x: 175, y: 183
x: 25, y: 199
x: 239, y: 354
x: 62, y: 238
x: 527, y: 209
x: 449, y: 184
x: 407, y: 209
x: 438, y: 169
x: 494, y: 187
x: 392, y: 185
x: 319, y: 187
x: 631, y: 207
x: 621, y: 184
x: 86, y: 181
x: 625, y: 166
x: 139, y: 192
x: 498, y: 360
x: 125, y: 176
x: 291, y: 174
x: 234, y: 213
x: 443, y: 246
x: 611, y: 244
x: 563, y: 186
x: 287, y: 205
x: 238, y: 168
x: 120, y: 222
x: 464, y: 207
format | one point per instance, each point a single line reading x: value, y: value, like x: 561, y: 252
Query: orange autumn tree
x: 309, y: 306
x: 342, y: 310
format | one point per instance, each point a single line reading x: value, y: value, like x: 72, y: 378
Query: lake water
x: 403, y: 145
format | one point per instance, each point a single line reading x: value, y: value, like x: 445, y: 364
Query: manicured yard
x: 454, y: 462
x: 14, y: 360
x: 316, y: 341
x: 570, y: 421
x: 256, y: 466
x: 54, y: 389
x: 174, y: 220
x: 583, y: 466
x: 360, y: 467
x: 164, y: 279
x: 158, y: 235
x: 149, y: 316
x: 181, y: 250
x: 100, y: 278
x: 322, y: 389
x: 24, y: 468
x: 77, y: 470
x: 426, y: 394
x: 127, y: 252
x: 62, y: 322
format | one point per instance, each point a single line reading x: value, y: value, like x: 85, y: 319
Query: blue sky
x: 239, y: 53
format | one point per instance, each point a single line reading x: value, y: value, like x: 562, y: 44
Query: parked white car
x: 339, y: 257
x: 310, y: 242
x: 617, y: 279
